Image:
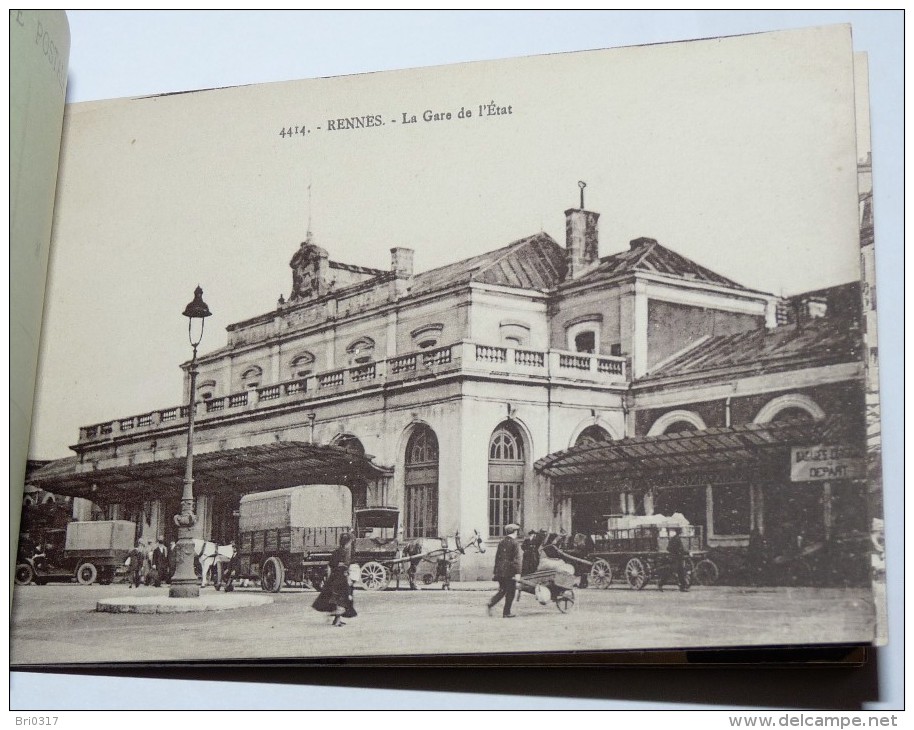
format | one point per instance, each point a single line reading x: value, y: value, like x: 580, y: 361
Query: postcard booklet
x: 359, y: 367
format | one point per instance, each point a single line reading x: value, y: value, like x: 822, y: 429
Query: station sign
x: 824, y: 462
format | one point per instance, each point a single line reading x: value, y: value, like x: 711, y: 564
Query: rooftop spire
x: 308, y: 232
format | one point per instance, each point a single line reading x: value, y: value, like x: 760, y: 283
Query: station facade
x: 456, y: 389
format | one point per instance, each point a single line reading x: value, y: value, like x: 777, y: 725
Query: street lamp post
x: 184, y: 583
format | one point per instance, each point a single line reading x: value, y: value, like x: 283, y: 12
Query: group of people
x: 150, y: 563
x: 512, y: 559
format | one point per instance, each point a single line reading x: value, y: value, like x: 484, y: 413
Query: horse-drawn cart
x: 288, y: 535
x: 640, y: 554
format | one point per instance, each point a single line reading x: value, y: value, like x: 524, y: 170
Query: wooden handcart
x: 549, y: 585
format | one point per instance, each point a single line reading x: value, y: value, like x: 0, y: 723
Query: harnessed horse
x: 212, y: 556
x: 443, y: 556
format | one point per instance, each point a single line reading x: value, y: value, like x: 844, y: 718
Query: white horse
x: 212, y: 556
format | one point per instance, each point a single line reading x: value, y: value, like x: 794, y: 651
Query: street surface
x: 58, y: 624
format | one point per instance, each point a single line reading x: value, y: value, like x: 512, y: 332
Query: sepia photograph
x: 354, y: 368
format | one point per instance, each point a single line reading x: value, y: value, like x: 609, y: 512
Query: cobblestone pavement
x: 58, y: 624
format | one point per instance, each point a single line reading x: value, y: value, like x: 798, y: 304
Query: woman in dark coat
x: 336, y: 596
x: 531, y: 551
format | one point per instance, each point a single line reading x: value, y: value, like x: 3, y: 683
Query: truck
x: 288, y: 535
x: 84, y: 551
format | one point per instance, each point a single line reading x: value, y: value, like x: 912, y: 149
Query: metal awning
x: 231, y: 471
x: 668, y: 458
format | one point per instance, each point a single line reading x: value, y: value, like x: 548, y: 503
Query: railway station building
x: 539, y: 383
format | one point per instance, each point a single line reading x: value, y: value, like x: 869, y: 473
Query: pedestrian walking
x: 149, y: 573
x: 336, y: 597
x: 531, y: 550
x: 160, y: 562
x: 507, y: 570
x: 135, y: 561
x: 678, y: 556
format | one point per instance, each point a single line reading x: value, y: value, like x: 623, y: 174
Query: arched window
x: 680, y: 427
x: 303, y: 365
x: 506, y: 478
x: 506, y: 445
x: 593, y: 435
x: 676, y: 422
x: 792, y: 406
x: 250, y: 378
x: 351, y: 443
x: 800, y: 415
x: 361, y: 351
x: 421, y: 480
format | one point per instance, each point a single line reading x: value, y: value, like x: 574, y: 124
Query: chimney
x: 582, y: 248
x: 401, y: 262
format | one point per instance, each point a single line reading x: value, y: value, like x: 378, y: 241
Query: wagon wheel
x: 565, y: 601
x: 273, y: 575
x: 637, y: 573
x: 705, y: 573
x: 428, y: 579
x: 601, y: 574
x: 24, y: 574
x: 86, y: 574
x: 375, y: 576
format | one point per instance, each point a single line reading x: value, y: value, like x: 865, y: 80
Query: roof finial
x: 582, y: 185
x: 308, y: 232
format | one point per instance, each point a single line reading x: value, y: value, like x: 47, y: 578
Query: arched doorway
x: 593, y: 435
x: 421, y: 482
x: 506, y: 478
x: 589, y: 512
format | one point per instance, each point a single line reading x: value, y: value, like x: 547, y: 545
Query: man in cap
x: 507, y: 570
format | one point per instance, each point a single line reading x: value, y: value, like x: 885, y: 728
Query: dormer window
x: 361, y: 351
x: 251, y: 378
x: 303, y: 365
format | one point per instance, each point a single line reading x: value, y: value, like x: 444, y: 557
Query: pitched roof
x: 819, y: 341
x: 534, y: 262
x: 646, y: 255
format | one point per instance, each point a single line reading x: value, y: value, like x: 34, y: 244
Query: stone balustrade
x: 462, y: 357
